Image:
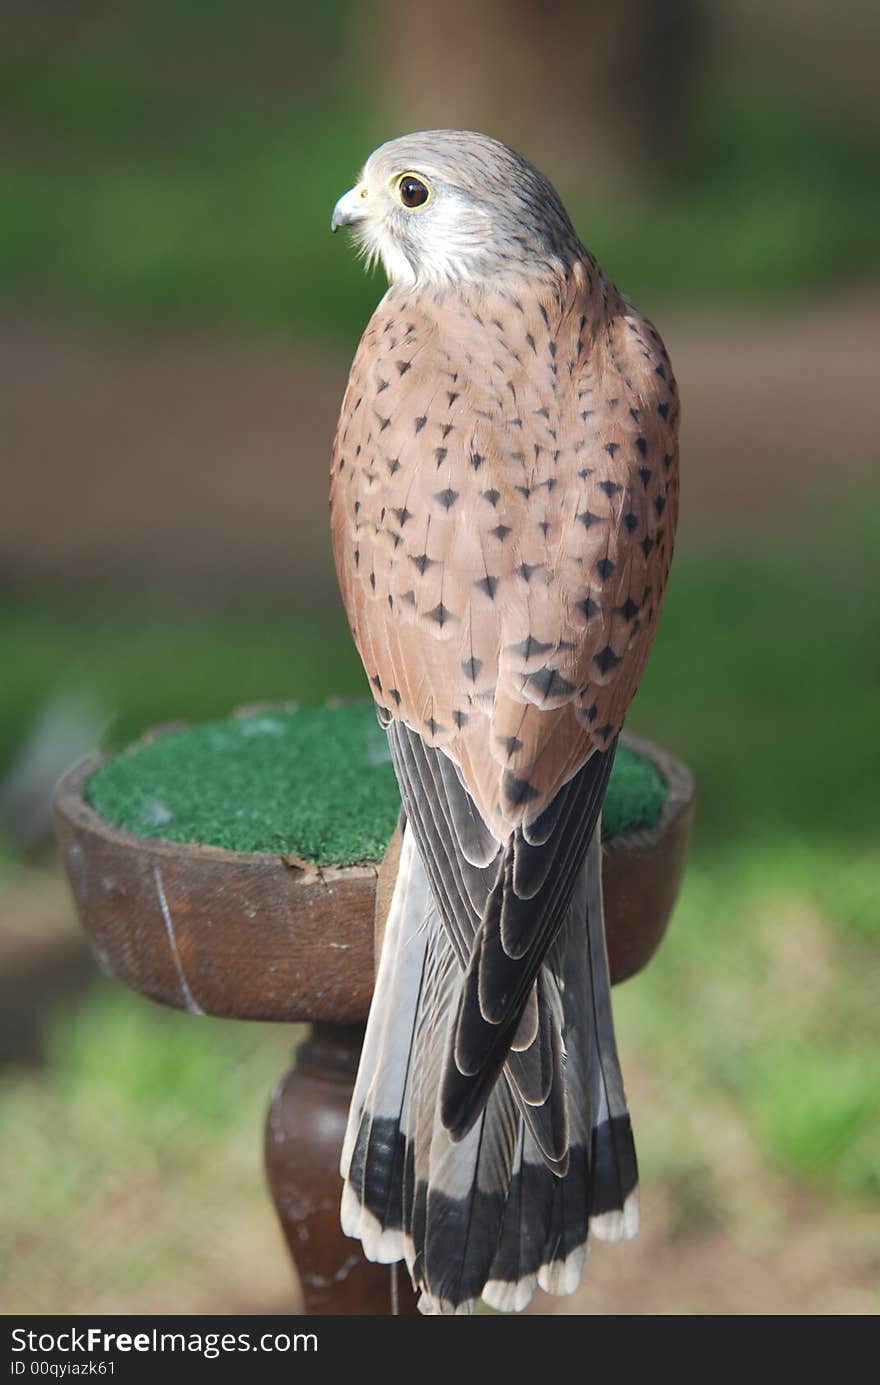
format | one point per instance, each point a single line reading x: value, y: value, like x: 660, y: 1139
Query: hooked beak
x: 351, y: 207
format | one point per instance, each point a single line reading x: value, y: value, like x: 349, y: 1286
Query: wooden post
x: 304, y: 1132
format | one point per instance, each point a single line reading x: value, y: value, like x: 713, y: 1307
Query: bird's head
x: 448, y: 207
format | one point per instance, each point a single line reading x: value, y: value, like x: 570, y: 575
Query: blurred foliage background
x: 175, y: 333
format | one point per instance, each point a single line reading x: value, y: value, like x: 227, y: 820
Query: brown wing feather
x: 504, y: 495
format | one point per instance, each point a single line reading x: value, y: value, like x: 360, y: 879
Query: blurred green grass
x: 132, y: 1163
x: 140, y: 184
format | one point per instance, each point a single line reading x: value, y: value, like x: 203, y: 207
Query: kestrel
x: 504, y: 494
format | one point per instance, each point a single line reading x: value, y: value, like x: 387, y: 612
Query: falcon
x: 504, y: 492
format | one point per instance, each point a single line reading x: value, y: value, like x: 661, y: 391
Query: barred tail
x: 486, y: 1216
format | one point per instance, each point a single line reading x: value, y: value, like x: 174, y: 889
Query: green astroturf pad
x: 313, y: 781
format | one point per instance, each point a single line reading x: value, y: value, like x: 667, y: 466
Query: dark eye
x: 413, y: 192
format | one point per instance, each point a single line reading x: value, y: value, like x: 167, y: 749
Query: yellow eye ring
x: 412, y: 191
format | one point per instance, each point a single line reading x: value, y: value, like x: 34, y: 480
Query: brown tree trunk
x: 585, y: 88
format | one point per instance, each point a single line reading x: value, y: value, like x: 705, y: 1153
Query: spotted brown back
x: 504, y: 495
